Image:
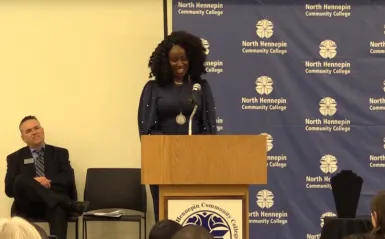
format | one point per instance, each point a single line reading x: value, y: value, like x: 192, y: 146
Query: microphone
x: 196, y: 93
x: 195, y: 99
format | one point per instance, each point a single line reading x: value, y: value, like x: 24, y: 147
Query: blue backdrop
x: 311, y: 76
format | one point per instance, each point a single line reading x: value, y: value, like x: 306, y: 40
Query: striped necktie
x: 40, y: 163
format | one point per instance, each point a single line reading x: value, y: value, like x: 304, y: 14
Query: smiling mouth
x: 180, y: 70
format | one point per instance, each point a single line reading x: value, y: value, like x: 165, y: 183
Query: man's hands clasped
x: 44, y: 181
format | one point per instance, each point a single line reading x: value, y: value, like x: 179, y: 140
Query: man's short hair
x: 193, y: 232
x: 26, y: 118
x: 164, y: 229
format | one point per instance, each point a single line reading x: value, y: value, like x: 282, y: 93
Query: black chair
x: 116, y: 188
x: 72, y: 219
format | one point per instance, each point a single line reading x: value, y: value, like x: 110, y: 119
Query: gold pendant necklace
x: 181, y: 119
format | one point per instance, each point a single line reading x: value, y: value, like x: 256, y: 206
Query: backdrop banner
x: 310, y: 75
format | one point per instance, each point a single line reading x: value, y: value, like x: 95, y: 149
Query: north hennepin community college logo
x: 206, y: 45
x: 212, y: 221
x: 215, y: 219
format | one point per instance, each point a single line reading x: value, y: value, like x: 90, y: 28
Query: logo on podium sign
x: 222, y: 218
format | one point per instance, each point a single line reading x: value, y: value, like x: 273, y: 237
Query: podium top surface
x: 204, y: 159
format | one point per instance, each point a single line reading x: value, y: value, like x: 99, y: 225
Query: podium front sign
x: 222, y: 217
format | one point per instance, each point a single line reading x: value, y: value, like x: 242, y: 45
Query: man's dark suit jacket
x: 57, y: 168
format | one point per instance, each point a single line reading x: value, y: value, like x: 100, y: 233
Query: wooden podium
x: 210, y: 174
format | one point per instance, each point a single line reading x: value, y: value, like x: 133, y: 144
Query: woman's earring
x: 189, y: 79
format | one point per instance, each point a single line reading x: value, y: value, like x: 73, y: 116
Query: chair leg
x: 84, y: 229
x: 77, y: 230
x: 140, y: 228
x: 145, y: 227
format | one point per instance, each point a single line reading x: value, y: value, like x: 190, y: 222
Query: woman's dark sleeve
x: 148, y: 111
x: 208, y: 121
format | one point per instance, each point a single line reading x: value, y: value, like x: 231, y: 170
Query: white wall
x: 79, y: 67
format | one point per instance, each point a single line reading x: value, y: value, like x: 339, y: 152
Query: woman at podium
x: 176, y: 92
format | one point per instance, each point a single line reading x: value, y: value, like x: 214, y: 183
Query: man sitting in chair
x: 41, y: 180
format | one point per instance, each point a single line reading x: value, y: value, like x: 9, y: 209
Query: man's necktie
x: 40, y: 163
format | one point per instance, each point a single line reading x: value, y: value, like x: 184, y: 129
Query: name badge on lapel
x: 29, y: 161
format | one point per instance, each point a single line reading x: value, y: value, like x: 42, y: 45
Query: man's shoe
x: 79, y: 207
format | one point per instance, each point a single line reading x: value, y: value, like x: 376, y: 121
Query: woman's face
x: 178, y: 62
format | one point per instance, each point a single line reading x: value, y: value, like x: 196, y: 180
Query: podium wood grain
x: 204, y: 159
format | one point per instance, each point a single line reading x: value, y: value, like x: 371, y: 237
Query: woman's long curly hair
x: 377, y: 208
x: 196, y: 55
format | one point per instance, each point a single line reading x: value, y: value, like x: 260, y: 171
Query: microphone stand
x: 190, y: 121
